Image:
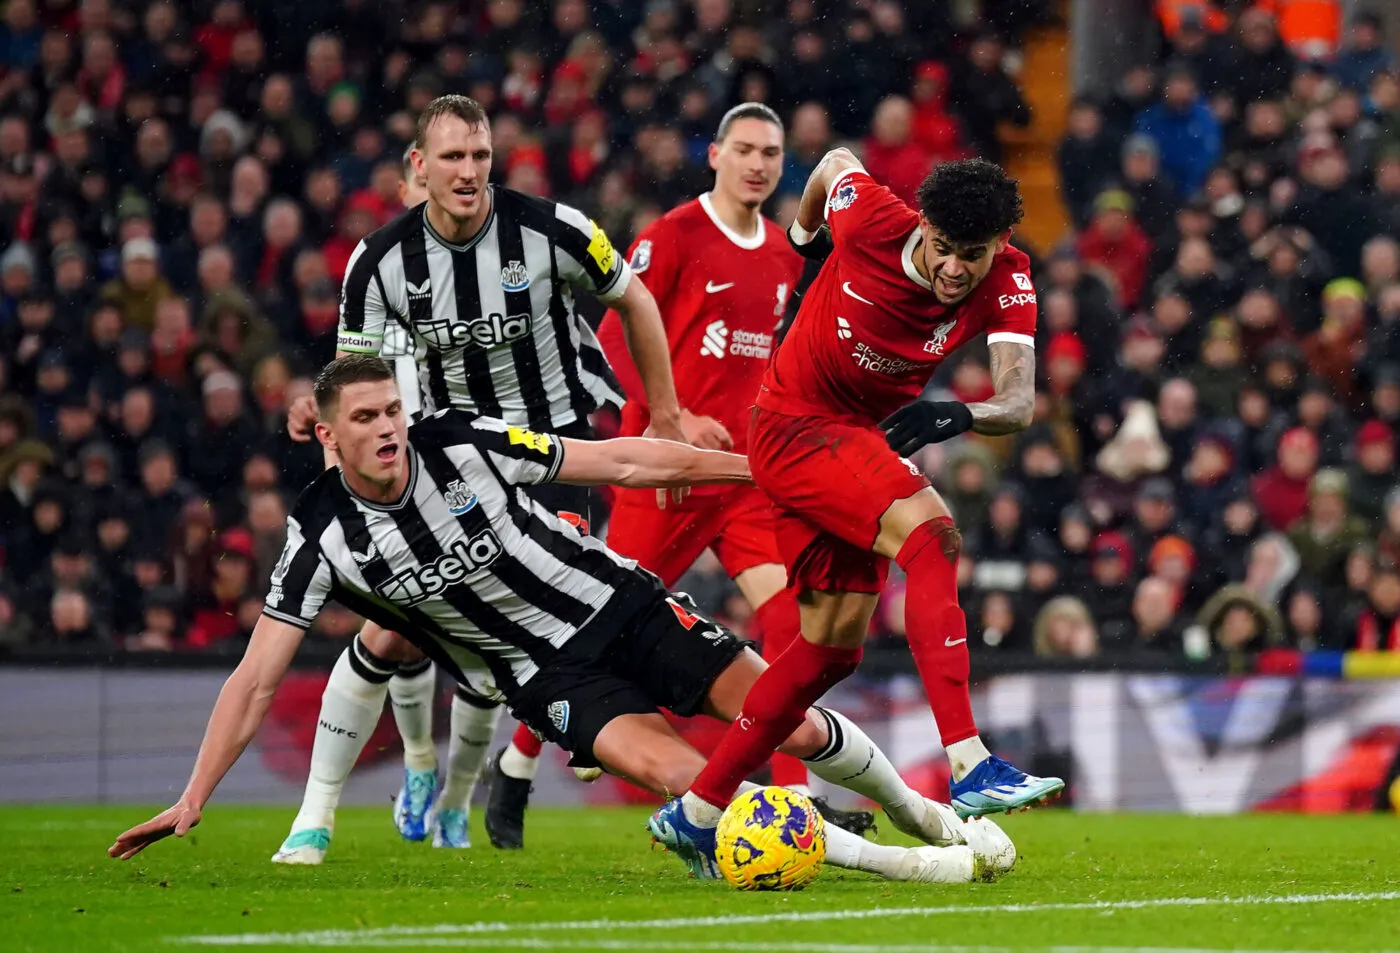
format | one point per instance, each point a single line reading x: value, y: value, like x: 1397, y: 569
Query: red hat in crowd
x: 1066, y: 344
x: 1375, y: 431
x: 1298, y: 438
x: 236, y: 542
x: 1169, y: 546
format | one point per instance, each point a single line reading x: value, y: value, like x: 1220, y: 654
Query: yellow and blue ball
x: 771, y: 839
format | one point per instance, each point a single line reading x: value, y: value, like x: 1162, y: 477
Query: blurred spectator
x: 1282, y: 490
x: 1153, y: 195
x: 1087, y: 157
x: 1328, y: 531
x: 1110, y: 590
x: 1219, y: 375
x: 139, y: 288
x: 1065, y: 628
x: 983, y: 95
x: 891, y: 155
x: 1364, y: 54
x: 1262, y: 67
x: 215, y: 607
x: 1238, y: 623
x: 1372, y: 474
x: 1155, y: 623
x: 1184, y: 130
x: 1375, y: 627
x: 1336, y: 348
x: 72, y: 620
x: 1389, y: 540
x: 936, y: 130
x: 1114, y: 241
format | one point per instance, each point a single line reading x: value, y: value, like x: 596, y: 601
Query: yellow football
x: 771, y: 839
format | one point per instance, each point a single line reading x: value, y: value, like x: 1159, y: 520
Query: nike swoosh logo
x: 944, y: 422
x: 711, y: 287
x: 950, y: 644
x: 846, y: 287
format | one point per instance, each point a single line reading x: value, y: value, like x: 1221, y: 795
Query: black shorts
x: 667, y: 656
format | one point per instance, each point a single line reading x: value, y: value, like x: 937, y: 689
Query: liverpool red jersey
x: 870, y: 331
x: 721, y: 297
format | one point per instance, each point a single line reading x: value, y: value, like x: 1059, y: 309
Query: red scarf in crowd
x: 1369, y: 635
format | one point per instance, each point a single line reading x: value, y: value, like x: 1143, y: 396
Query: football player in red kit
x: 721, y: 274
x: 836, y: 416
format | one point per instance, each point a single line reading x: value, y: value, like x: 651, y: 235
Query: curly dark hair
x: 970, y: 200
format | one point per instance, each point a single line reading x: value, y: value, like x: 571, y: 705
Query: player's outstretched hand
x: 924, y: 422
x: 676, y: 433
x: 706, y: 433
x: 301, y: 419
x: 177, y: 820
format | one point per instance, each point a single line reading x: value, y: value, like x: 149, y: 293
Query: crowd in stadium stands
x: 1212, y: 468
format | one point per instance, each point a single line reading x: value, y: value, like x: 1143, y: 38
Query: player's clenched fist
x: 177, y: 820
x: 705, y: 432
x: 301, y: 418
x: 924, y: 422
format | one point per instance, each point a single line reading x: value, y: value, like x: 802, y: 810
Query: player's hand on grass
x: 177, y: 820
x: 301, y: 419
x: 705, y: 432
x: 924, y: 422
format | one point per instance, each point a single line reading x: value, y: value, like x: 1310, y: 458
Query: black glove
x: 818, y: 248
x: 923, y: 422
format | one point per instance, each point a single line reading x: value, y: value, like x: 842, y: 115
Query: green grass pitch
x: 588, y: 882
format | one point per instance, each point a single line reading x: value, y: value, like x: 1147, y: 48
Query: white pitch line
x: 358, y: 937
x: 797, y: 946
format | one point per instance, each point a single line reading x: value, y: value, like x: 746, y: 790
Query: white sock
x: 852, y: 761
x: 965, y: 755
x: 702, y: 813
x: 472, y: 730
x: 847, y: 850
x: 516, y: 765
x: 350, y: 709
x: 412, y: 698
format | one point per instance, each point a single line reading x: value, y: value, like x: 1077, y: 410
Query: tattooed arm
x: 1013, y: 377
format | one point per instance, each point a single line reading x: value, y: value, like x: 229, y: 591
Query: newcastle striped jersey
x: 493, y: 322
x: 485, y: 580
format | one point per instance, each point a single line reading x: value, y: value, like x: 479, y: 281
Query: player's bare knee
x: 809, y: 738
x: 387, y: 644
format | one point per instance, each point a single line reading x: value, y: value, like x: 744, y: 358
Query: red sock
x: 776, y: 705
x: 936, y: 626
x: 778, y: 624
x: 526, y: 743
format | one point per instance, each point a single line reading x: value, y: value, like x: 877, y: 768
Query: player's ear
x: 1003, y: 240
x: 326, y: 436
x: 713, y: 153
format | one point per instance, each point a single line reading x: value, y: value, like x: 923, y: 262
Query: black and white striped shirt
x: 466, y: 565
x: 493, y: 322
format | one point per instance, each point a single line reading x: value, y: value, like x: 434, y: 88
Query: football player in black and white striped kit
x: 483, y: 281
x: 428, y: 530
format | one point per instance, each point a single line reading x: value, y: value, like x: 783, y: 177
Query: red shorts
x: 737, y: 523
x: 830, y: 482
